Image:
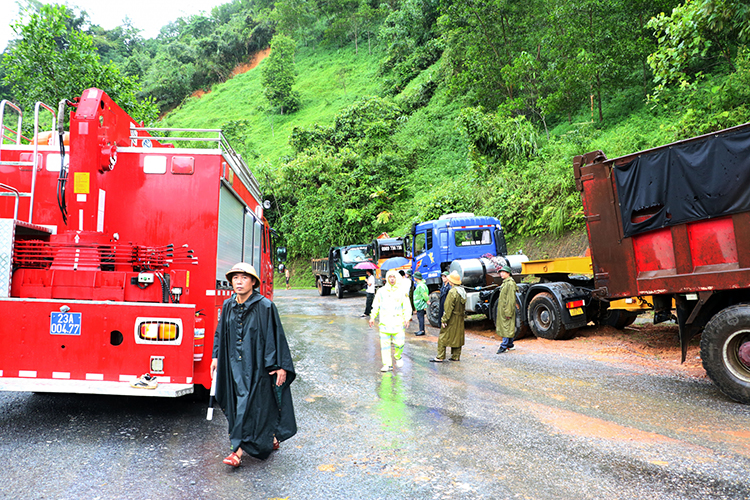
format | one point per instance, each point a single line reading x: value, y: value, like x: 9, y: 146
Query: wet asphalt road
x: 526, y: 424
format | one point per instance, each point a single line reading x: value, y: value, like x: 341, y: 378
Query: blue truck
x: 472, y: 245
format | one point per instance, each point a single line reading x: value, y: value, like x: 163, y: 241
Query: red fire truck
x: 113, y: 249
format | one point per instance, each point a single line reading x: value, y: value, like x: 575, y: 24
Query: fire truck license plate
x: 576, y: 311
x: 65, y: 323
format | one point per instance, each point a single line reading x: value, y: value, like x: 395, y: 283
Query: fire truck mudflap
x: 96, y: 347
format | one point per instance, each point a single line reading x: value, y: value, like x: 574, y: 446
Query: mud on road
x: 654, y: 348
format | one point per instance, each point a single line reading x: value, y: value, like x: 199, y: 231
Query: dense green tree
x: 412, y: 44
x: 353, y: 20
x: 278, y: 75
x: 701, y: 64
x: 169, y: 80
x: 495, y: 140
x: 298, y: 19
x: 697, y: 36
x: 117, y: 44
x: 344, y: 180
x: 50, y: 61
x: 480, y: 39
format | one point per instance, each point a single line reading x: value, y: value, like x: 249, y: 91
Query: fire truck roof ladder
x: 35, y: 157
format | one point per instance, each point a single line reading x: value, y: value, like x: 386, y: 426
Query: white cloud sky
x: 147, y: 15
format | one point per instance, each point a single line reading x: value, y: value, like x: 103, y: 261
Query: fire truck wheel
x: 322, y: 289
x: 725, y: 351
x: 433, y: 310
x: 200, y: 393
x: 545, y: 318
x: 339, y: 289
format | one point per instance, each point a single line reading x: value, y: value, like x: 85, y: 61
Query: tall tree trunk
x: 599, y: 96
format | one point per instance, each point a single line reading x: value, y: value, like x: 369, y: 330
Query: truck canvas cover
x: 686, y: 181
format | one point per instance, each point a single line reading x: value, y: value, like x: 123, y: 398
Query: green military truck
x: 337, y: 270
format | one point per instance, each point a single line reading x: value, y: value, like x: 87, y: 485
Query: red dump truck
x: 674, y: 222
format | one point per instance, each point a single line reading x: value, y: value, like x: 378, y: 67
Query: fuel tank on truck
x: 473, y: 272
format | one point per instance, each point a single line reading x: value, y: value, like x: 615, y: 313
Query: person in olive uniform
x: 505, y: 322
x: 452, y: 322
x: 253, y: 368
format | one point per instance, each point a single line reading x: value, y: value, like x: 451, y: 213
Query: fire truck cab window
x: 247, y: 250
x: 256, y: 244
x: 472, y: 237
x: 230, y: 234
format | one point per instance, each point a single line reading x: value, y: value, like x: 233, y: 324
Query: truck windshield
x: 388, y: 251
x: 472, y: 237
x: 357, y: 254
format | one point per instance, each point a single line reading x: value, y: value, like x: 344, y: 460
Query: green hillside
x: 328, y: 81
x: 369, y: 116
x: 533, y: 194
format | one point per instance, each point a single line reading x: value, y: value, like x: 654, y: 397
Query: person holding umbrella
x: 392, y: 306
x: 370, y: 290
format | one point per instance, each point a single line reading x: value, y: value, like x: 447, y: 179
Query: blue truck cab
x: 435, y: 244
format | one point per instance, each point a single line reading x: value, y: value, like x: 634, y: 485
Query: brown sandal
x: 275, y: 443
x: 233, y: 459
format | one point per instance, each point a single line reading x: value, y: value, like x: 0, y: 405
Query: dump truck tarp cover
x: 686, y: 181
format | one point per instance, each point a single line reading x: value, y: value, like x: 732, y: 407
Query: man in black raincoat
x: 253, y: 369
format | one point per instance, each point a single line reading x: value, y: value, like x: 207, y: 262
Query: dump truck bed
x: 673, y: 219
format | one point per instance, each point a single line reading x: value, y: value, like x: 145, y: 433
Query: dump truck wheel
x: 725, y: 351
x: 620, y: 318
x: 433, y: 310
x: 322, y: 289
x: 339, y: 290
x: 521, y: 332
x: 545, y: 318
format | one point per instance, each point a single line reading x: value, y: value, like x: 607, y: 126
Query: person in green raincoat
x: 505, y: 322
x: 253, y: 368
x: 452, y: 322
x: 421, y: 299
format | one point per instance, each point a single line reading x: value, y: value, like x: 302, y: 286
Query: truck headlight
x: 346, y: 273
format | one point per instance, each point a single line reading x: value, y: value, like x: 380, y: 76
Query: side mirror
x: 407, y: 246
x: 281, y: 254
x: 500, y: 246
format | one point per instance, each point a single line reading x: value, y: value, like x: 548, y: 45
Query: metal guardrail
x: 39, y: 105
x: 14, y: 192
x: 35, y: 160
x: 4, y: 103
x: 234, y: 160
